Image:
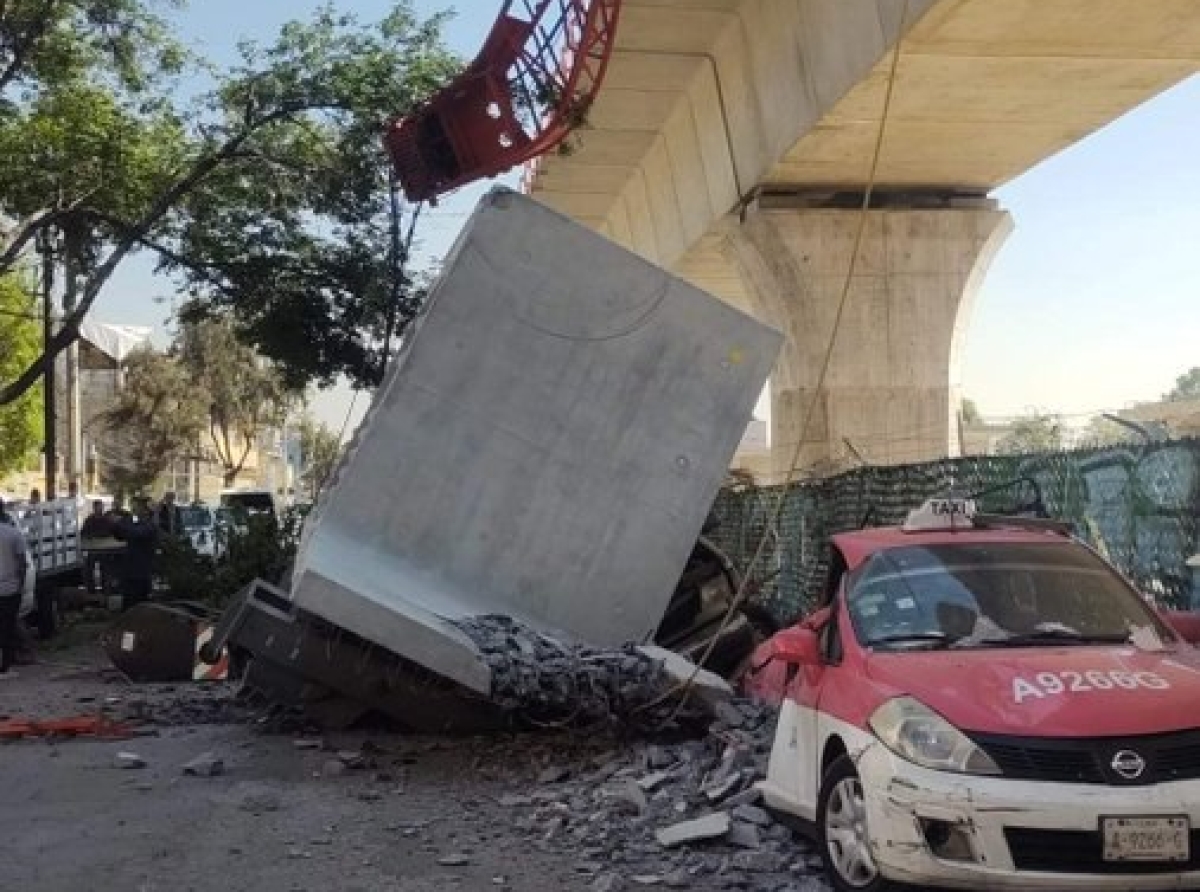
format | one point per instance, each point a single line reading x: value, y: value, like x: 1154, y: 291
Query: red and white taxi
x: 984, y: 703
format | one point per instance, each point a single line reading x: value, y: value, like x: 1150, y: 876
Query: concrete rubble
x: 673, y: 833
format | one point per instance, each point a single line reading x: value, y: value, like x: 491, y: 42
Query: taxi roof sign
x: 941, y: 514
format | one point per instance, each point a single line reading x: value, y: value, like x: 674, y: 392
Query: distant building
x: 103, y: 350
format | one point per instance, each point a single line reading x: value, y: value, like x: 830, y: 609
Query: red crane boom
x: 531, y: 84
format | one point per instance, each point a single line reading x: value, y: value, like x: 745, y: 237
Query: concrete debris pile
x: 539, y: 678
x: 683, y: 815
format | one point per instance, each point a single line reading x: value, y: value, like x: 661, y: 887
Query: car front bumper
x: 1021, y: 834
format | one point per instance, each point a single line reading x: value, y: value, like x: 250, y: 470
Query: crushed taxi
x: 985, y: 703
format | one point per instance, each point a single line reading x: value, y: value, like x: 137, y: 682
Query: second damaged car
x: 984, y: 703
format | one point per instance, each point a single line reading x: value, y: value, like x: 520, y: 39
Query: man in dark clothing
x: 14, y: 562
x: 140, y: 535
x: 169, y: 517
x: 97, y: 525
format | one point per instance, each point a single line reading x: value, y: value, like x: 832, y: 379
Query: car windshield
x: 196, y: 516
x: 995, y: 595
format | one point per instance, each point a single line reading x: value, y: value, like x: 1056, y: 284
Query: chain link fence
x: 1138, y: 505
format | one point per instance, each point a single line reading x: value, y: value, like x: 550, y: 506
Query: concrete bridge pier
x: 892, y: 391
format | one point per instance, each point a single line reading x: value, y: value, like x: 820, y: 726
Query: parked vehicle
x: 983, y: 702
x: 200, y: 524
x: 251, y: 501
x: 55, y: 558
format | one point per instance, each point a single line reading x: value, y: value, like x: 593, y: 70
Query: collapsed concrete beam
x: 545, y: 447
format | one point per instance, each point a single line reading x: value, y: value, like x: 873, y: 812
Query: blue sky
x: 1092, y: 303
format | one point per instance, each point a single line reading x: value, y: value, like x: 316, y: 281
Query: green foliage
x: 20, y: 341
x: 1187, y: 386
x: 1034, y: 433
x: 156, y: 419
x: 320, y: 448
x: 1101, y: 431
x: 970, y: 412
x: 257, y: 547
x: 268, y: 197
x: 294, y: 235
x: 242, y: 394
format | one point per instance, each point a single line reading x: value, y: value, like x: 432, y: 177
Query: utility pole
x: 49, y: 404
x: 74, y: 463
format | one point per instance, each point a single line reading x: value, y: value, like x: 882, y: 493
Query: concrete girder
x: 768, y: 98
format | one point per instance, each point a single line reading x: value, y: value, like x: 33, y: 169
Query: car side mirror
x: 798, y: 646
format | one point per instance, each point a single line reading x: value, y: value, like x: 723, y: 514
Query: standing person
x: 169, y: 517
x: 14, y: 562
x: 140, y: 535
x: 97, y: 525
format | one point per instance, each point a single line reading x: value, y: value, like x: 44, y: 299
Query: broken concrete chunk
x: 631, y: 798
x: 748, y: 796
x: 705, y: 687
x: 745, y: 836
x: 760, y: 861
x: 752, y: 814
x: 128, y: 760
x: 711, y: 826
x: 607, y: 882
x: 205, y: 765
x: 652, y: 782
x: 722, y: 786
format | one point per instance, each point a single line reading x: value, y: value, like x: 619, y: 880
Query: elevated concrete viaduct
x: 732, y: 143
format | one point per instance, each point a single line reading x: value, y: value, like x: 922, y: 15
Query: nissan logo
x: 1128, y: 764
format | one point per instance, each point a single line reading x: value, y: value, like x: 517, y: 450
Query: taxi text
x: 1050, y: 684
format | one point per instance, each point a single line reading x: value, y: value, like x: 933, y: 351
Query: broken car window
x: 993, y: 595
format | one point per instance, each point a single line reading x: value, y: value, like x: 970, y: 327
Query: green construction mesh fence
x: 1139, y: 505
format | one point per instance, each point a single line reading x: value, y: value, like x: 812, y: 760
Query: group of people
x: 130, y: 565
x: 141, y: 531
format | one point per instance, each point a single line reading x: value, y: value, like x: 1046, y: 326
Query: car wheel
x: 843, y: 833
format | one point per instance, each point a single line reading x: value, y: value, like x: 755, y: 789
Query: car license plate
x: 1146, y: 839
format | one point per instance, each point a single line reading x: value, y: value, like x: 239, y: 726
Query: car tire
x: 842, y: 831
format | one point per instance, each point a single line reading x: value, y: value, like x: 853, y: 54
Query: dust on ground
x: 370, y: 811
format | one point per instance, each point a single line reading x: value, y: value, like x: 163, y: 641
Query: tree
x: 1187, y: 386
x: 1102, y: 431
x: 320, y: 449
x: 154, y: 421
x: 241, y: 393
x: 1033, y: 433
x: 298, y: 239
x: 266, y: 200
x: 970, y: 412
x: 20, y: 339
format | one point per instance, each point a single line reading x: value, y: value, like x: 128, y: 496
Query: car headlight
x: 914, y: 732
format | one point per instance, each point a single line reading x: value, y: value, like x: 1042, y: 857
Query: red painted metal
x: 77, y: 726
x: 532, y: 83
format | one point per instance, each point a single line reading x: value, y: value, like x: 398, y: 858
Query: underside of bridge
x: 733, y: 140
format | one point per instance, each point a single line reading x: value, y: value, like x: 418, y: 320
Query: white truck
x: 55, y: 557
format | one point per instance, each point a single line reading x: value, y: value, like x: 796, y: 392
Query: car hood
x: 1075, y: 691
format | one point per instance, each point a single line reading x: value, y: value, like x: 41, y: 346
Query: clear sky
x: 1093, y: 303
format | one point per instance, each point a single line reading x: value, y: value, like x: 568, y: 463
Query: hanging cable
x: 401, y: 251
x: 685, y: 687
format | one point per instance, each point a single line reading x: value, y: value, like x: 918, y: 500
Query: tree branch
x: 200, y: 170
